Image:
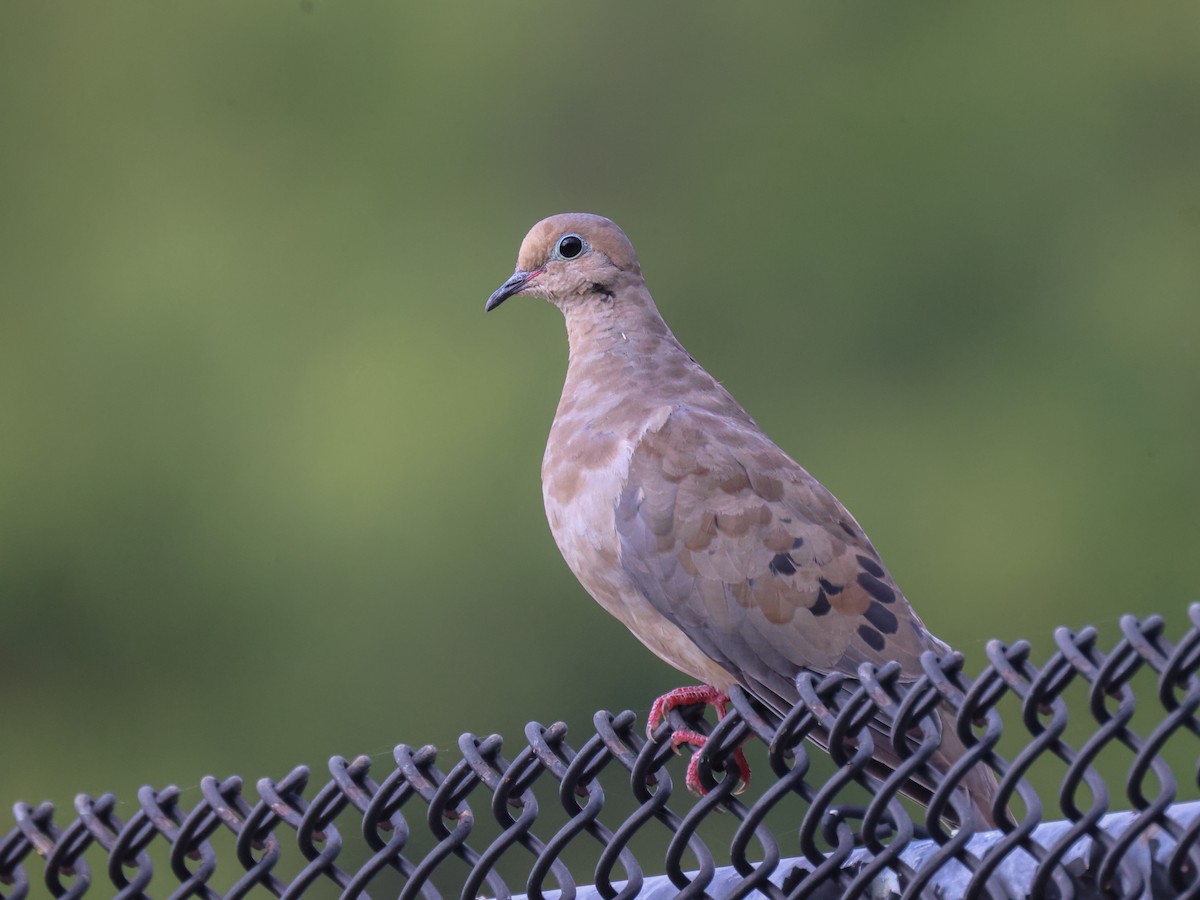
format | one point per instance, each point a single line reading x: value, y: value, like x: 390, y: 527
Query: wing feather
x: 755, y: 560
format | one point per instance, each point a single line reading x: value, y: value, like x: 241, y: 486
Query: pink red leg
x: 686, y: 696
x: 692, y: 778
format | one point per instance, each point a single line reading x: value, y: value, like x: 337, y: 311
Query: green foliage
x: 269, y: 479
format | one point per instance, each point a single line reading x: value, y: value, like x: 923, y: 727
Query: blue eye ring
x: 570, y: 246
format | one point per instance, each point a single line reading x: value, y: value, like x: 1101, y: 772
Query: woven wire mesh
x: 1084, y: 733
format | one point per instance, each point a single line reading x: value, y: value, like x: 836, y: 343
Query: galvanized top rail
x: 608, y: 813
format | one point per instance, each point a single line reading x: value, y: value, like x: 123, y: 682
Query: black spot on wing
x: 882, y: 618
x: 876, y: 588
x: 829, y: 587
x: 871, y: 566
x: 798, y: 543
x: 871, y: 638
x: 849, y: 529
x: 821, y: 605
x: 782, y: 564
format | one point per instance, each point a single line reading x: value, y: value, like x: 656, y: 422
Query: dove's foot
x: 686, y: 696
x: 692, y: 778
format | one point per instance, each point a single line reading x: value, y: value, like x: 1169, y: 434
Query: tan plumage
x: 681, y: 517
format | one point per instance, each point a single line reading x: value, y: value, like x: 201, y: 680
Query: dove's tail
x: 979, y: 784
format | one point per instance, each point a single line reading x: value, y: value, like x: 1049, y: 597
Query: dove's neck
x: 627, y: 326
x: 625, y: 359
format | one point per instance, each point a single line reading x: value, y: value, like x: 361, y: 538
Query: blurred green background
x: 269, y: 478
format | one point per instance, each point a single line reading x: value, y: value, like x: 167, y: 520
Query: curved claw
x: 692, y: 779
x: 687, y: 696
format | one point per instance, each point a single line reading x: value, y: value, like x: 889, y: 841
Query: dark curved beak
x: 514, y: 285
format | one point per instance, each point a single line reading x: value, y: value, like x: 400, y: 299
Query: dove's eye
x: 569, y: 246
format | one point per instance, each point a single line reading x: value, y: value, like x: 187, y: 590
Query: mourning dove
x: 684, y: 520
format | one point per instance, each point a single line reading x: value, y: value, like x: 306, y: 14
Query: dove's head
x: 572, y: 259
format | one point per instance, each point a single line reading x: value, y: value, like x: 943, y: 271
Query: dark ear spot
x: 602, y: 290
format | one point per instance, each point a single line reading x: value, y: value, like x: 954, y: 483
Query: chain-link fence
x: 1086, y: 733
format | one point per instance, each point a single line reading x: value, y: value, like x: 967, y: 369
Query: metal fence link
x: 608, y: 817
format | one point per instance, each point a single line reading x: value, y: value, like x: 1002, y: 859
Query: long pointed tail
x: 979, y: 783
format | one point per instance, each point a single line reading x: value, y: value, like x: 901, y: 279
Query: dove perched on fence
x: 685, y: 521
